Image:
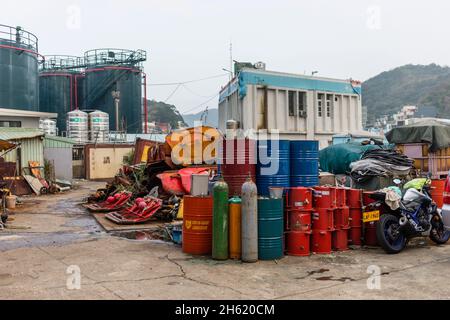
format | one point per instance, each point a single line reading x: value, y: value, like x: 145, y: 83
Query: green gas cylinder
x: 220, y: 220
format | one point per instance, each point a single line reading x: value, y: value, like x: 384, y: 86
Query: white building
x: 300, y: 107
x: 12, y: 118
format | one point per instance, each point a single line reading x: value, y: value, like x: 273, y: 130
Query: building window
x: 320, y: 105
x: 106, y: 160
x: 10, y: 124
x: 78, y: 154
x: 302, y: 104
x: 329, y: 102
x: 291, y: 103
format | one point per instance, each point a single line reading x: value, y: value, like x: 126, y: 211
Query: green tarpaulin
x: 433, y: 132
x: 337, y: 159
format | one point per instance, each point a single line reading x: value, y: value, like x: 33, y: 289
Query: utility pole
x: 116, y: 97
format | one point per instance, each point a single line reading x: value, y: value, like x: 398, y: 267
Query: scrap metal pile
x: 380, y: 162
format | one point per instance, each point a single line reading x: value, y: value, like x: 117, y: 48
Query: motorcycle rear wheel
x: 392, y: 244
x: 440, y: 235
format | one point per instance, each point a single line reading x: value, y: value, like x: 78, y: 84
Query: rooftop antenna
x: 231, y: 60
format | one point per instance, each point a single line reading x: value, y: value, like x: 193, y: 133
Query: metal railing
x: 17, y: 37
x: 110, y: 56
x: 62, y: 62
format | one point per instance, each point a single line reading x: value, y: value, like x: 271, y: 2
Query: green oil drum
x: 220, y: 221
x: 270, y: 228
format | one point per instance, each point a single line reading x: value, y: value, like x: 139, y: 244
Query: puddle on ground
x: 143, y: 235
x: 343, y: 279
x: 310, y: 273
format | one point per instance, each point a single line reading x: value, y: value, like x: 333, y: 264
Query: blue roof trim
x: 285, y: 81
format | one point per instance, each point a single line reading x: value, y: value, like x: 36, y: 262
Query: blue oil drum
x: 304, y: 163
x: 270, y: 229
x: 273, y: 168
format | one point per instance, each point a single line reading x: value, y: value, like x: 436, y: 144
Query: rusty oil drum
x: 324, y: 198
x: 238, y: 161
x: 197, y: 225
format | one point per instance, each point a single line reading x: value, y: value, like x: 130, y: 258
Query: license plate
x: 371, y: 216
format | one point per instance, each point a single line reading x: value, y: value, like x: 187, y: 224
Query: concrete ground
x: 52, y: 234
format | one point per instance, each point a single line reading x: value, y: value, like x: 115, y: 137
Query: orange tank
x: 235, y: 228
x: 197, y: 225
x: 437, y: 192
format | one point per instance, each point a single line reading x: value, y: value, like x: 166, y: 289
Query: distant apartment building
x: 300, y: 107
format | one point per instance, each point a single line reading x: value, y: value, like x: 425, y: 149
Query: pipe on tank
x: 145, y: 104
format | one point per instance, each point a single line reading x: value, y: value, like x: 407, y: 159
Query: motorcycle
x: 417, y: 216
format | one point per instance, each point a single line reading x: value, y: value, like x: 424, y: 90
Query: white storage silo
x: 99, y: 126
x: 77, y: 126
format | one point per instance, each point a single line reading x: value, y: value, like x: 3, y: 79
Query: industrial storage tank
x: 77, y: 126
x: 59, y: 88
x: 48, y: 126
x: 19, y: 59
x: 115, y: 75
x: 99, y: 126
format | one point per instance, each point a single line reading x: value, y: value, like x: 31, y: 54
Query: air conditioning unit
x: 303, y: 114
x: 260, y: 65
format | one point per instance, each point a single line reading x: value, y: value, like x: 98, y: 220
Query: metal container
x: 238, y: 162
x: 340, y: 240
x: 199, y: 185
x: 341, y: 197
x: 235, y: 205
x: 197, y: 225
x: 370, y: 234
x: 298, y: 243
x: 304, y: 163
x: 324, y: 197
x: 299, y: 198
x: 49, y: 127
x: 249, y: 222
x: 341, y: 218
x: 323, y: 219
x: 19, y: 85
x: 321, y: 242
x: 354, y: 198
x: 99, y: 126
x: 274, y: 165
x: 77, y: 126
x: 220, y: 250
x: 299, y: 220
x: 355, y: 236
x: 112, y: 71
x: 437, y: 192
x: 356, y: 217
x: 270, y: 228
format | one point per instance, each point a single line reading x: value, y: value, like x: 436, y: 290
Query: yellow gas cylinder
x: 181, y: 210
x: 235, y: 205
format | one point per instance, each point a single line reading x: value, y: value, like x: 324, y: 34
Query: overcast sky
x: 188, y: 39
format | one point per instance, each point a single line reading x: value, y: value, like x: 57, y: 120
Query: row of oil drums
x: 247, y: 228
x: 270, y: 163
x: 321, y: 220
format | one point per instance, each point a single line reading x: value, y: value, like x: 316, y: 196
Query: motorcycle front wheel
x: 439, y: 235
x: 390, y: 239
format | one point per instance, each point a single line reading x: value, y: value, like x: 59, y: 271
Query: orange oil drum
x: 354, y: 198
x: 437, y: 192
x: 197, y: 225
x: 341, y: 197
x: 324, y: 198
x: 235, y: 205
x: 299, y: 199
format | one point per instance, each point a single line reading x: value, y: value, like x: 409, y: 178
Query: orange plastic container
x: 437, y: 192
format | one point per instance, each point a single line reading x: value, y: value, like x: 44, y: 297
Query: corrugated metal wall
x: 30, y: 150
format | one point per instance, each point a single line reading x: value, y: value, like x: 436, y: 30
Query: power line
x: 202, y: 104
x: 195, y: 93
x: 173, y: 93
x: 186, y: 82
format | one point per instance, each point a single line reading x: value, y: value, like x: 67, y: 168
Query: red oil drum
x: 340, y: 240
x: 324, y: 198
x: 437, y: 192
x: 321, y: 242
x: 355, y: 236
x: 342, y: 218
x: 367, y: 199
x: 298, y: 244
x: 299, y: 198
x: 323, y: 219
x: 370, y: 235
x: 238, y: 161
x: 197, y: 225
x: 356, y: 216
x: 354, y: 198
x: 341, y: 197
x: 300, y: 221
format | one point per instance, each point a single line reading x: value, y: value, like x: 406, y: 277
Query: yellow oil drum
x: 235, y: 228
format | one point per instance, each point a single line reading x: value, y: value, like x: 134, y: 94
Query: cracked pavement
x: 52, y: 233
